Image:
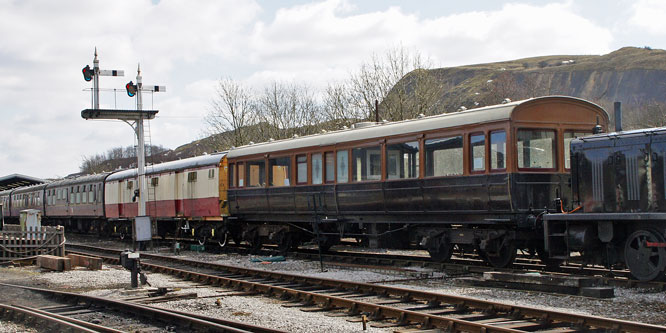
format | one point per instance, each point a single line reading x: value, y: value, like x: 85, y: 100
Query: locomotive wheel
x: 503, y: 258
x: 645, y: 263
x: 547, y: 261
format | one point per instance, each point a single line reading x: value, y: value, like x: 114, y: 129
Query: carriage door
x: 631, y: 155
x: 180, y: 193
x: 658, y: 165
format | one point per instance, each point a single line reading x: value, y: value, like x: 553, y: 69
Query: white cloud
x: 649, y: 15
x: 188, y: 45
x: 304, y: 39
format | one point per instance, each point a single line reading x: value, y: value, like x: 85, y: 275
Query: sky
x: 188, y: 46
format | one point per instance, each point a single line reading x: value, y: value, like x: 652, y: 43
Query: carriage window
x: 402, y: 160
x: 444, y: 157
x: 72, y: 196
x: 130, y: 184
x: 317, y: 169
x: 192, y: 177
x: 478, y: 153
x: 343, y: 166
x: 366, y: 163
x: 91, y: 194
x: 302, y: 169
x: 256, y: 171
x: 232, y: 175
x: 241, y: 175
x: 536, y: 149
x: 78, y: 194
x: 279, y: 171
x: 568, y: 136
x: 84, y: 195
x: 211, y: 174
x: 330, y: 167
x: 498, y: 150
x: 154, y: 181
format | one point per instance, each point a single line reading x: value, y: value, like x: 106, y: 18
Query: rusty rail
x: 181, y: 319
x: 435, y: 310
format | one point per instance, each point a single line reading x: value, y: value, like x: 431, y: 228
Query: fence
x: 16, y: 244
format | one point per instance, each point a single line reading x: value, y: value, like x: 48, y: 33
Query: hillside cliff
x: 633, y: 76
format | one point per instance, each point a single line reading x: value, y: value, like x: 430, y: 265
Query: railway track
x: 63, y: 317
x: 385, y: 306
x: 456, y: 266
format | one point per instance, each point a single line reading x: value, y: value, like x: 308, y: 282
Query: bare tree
x: 287, y: 109
x: 231, y: 111
x: 378, y: 80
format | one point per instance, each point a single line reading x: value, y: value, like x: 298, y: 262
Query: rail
x: 426, y: 309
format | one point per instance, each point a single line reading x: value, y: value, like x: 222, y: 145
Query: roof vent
x: 364, y: 124
x: 506, y: 100
x: 421, y: 116
x: 462, y: 108
x: 295, y: 136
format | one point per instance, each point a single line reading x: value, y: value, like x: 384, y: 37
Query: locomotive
x: 491, y: 180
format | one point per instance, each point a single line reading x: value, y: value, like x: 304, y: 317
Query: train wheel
x: 222, y: 238
x: 502, y: 258
x: 645, y: 263
x: 255, y: 243
x: 285, y: 242
x: 442, y: 251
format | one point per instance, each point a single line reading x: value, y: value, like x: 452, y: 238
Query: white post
x: 96, y: 82
x: 141, y: 158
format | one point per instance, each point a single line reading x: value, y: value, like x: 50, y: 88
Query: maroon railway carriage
x: 31, y: 197
x: 76, y: 203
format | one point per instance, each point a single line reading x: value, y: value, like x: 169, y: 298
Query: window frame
x: 555, y: 148
x: 307, y: 171
x: 506, y: 150
x: 352, y: 162
x: 437, y: 136
x: 270, y: 171
x: 470, y: 153
x: 419, y: 157
x: 564, y: 145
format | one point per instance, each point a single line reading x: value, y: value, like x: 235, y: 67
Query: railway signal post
x: 135, y: 119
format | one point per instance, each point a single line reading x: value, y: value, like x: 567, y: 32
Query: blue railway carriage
x: 619, y: 194
x: 475, y: 181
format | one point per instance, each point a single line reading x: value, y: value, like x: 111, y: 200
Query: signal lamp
x: 87, y: 73
x: 131, y: 89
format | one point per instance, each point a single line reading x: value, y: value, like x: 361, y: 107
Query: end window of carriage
x: 402, y: 160
x: 279, y: 171
x: 536, y: 149
x: 497, y: 150
x: 367, y: 163
x: 568, y: 137
x: 444, y: 156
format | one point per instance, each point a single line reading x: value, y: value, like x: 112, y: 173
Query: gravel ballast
x: 112, y: 281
